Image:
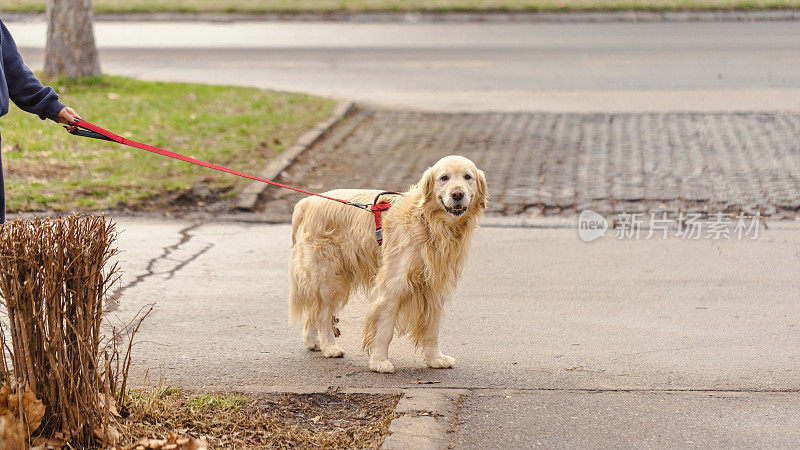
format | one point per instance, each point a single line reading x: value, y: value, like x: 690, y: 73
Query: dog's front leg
x: 430, y: 347
x: 379, y: 332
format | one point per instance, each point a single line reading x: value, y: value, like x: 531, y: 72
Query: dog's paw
x: 382, y: 366
x: 311, y: 342
x: 312, y: 346
x: 441, y: 362
x: 332, y: 352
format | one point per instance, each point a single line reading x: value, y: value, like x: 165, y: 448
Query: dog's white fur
x: 409, y: 278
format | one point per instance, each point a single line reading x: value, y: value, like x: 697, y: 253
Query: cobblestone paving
x: 545, y: 163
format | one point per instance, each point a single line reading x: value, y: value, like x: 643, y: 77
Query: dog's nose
x: 457, y: 196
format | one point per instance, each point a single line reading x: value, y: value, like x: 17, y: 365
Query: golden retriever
x: 409, y: 279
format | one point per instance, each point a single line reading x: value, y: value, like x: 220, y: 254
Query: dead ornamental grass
x: 54, y: 278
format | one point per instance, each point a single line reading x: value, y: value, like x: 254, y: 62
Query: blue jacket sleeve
x: 24, y: 88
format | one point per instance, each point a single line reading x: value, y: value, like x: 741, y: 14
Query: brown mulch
x: 330, y: 420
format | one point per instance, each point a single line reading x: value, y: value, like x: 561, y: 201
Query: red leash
x: 86, y: 129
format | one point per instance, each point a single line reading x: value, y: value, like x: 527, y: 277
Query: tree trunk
x: 70, y: 47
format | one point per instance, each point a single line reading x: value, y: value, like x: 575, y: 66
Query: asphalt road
x: 559, y: 342
x: 579, y: 67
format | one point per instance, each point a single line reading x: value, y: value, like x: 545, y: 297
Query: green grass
x: 224, y: 402
x: 48, y: 169
x: 266, y: 6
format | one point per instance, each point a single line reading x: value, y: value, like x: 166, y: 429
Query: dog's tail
x: 296, y: 304
x: 297, y: 218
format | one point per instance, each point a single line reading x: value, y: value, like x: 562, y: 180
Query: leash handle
x: 86, y: 133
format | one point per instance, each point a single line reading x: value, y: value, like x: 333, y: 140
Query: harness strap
x: 377, y: 208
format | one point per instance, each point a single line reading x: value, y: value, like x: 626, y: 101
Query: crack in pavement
x: 455, y: 421
x: 171, y: 273
x: 186, y: 236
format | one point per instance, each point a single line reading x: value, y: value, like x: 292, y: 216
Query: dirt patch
x: 330, y: 420
x: 37, y: 170
x: 199, y: 197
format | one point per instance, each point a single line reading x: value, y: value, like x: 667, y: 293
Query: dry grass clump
x: 54, y: 278
x: 331, y: 420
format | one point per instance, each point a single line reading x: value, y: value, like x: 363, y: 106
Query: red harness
x: 83, y: 128
x: 377, y: 207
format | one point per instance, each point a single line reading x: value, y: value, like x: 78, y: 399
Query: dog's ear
x: 483, y: 193
x: 426, y: 185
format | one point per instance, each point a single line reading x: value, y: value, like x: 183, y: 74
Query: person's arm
x: 25, y: 89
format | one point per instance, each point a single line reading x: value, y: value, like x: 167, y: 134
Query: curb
x: 423, y: 419
x: 766, y: 15
x: 247, y: 199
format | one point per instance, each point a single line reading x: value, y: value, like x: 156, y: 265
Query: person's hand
x: 67, y: 116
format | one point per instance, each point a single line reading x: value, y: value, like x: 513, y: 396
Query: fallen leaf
x: 43, y: 442
x: 33, y: 408
x: 112, y: 404
x: 110, y: 435
x: 12, y: 434
x: 5, y: 391
x: 197, y: 444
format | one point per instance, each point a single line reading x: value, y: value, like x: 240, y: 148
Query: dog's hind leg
x: 327, y: 333
x: 310, y: 335
x: 300, y: 305
x: 332, y: 295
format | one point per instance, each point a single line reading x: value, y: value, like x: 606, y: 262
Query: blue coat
x: 19, y: 84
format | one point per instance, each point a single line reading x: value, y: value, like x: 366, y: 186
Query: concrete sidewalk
x: 559, y: 342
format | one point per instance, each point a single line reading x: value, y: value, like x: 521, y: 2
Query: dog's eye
x: 467, y: 177
x: 444, y: 177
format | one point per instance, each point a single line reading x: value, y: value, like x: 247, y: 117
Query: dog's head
x: 454, y: 186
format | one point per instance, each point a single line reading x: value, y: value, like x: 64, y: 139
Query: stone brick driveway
x: 544, y: 163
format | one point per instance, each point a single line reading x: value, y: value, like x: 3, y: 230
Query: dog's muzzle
x: 457, y: 205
